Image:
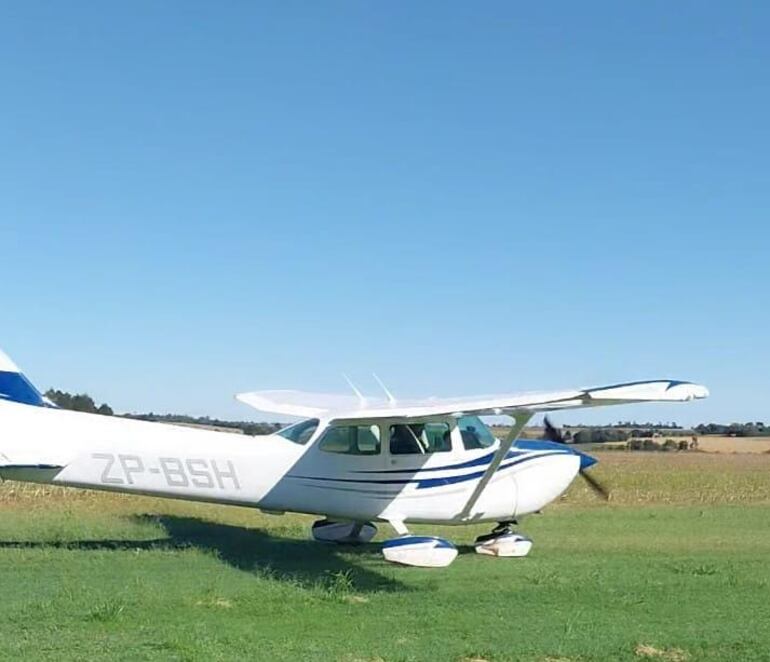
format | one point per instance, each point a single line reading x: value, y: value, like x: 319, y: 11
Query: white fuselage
x: 272, y: 473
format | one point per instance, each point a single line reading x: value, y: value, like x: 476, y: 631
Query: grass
x: 676, y: 567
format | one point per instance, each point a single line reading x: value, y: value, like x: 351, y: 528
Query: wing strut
x: 520, y: 419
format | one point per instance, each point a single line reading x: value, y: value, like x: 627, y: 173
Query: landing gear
x: 420, y: 551
x: 350, y: 533
x: 503, y: 541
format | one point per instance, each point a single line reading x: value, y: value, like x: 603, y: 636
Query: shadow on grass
x: 253, y: 550
x: 306, y: 563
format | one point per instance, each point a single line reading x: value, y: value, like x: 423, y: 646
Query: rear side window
x: 351, y: 440
x: 300, y: 433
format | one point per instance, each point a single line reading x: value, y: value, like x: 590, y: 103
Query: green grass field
x: 676, y: 567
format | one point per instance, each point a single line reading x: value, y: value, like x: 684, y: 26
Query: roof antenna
x: 361, y: 398
x: 389, y: 395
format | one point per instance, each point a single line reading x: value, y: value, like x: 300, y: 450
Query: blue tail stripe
x: 16, y: 387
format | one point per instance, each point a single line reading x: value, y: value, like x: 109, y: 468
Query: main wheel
x: 326, y: 530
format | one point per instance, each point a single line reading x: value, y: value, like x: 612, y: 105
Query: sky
x: 200, y: 198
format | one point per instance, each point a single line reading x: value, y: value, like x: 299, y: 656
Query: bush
x: 669, y: 445
x: 598, y: 436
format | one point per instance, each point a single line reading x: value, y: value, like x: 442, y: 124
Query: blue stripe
x: 522, y: 444
x: 423, y: 483
x: 540, y: 445
x: 484, y: 459
x: 671, y: 384
x: 586, y: 461
x: 16, y: 387
x: 451, y: 480
x: 31, y: 466
x: 413, y: 540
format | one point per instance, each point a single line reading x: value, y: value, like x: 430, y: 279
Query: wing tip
x: 661, y: 390
x: 688, y: 391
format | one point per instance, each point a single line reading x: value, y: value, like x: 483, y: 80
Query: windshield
x: 300, y: 433
x: 475, y: 433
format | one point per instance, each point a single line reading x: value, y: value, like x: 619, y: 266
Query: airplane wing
x: 341, y: 407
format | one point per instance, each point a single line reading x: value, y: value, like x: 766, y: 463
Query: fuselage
x: 382, y: 479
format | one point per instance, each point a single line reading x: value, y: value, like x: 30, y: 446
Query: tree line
x: 600, y: 434
x: 77, y: 402
x: 751, y: 429
x: 246, y: 427
x: 85, y: 403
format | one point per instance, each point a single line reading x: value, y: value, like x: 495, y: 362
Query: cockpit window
x: 300, y: 433
x: 351, y: 440
x: 474, y: 433
x: 420, y: 438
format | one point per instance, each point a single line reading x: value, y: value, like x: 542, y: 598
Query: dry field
x: 687, y: 478
x: 734, y: 444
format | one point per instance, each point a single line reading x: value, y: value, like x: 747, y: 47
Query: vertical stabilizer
x: 14, y: 386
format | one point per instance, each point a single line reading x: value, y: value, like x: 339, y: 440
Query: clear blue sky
x: 198, y: 198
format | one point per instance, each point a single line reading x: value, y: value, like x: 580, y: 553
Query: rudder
x: 15, y: 387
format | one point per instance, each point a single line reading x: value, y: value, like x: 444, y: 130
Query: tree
x: 80, y: 402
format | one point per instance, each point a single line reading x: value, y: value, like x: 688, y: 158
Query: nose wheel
x: 503, y: 541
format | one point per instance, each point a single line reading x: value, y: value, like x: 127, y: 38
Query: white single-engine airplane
x: 352, y: 460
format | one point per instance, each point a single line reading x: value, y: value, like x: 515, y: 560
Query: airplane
x: 354, y: 461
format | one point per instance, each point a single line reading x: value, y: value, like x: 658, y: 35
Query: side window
x: 300, y: 433
x: 420, y: 438
x: 474, y: 433
x: 351, y: 440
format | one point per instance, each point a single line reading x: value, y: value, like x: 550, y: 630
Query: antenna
x: 361, y: 398
x: 389, y: 395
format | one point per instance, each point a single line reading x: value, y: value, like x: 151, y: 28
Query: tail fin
x: 15, y: 387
